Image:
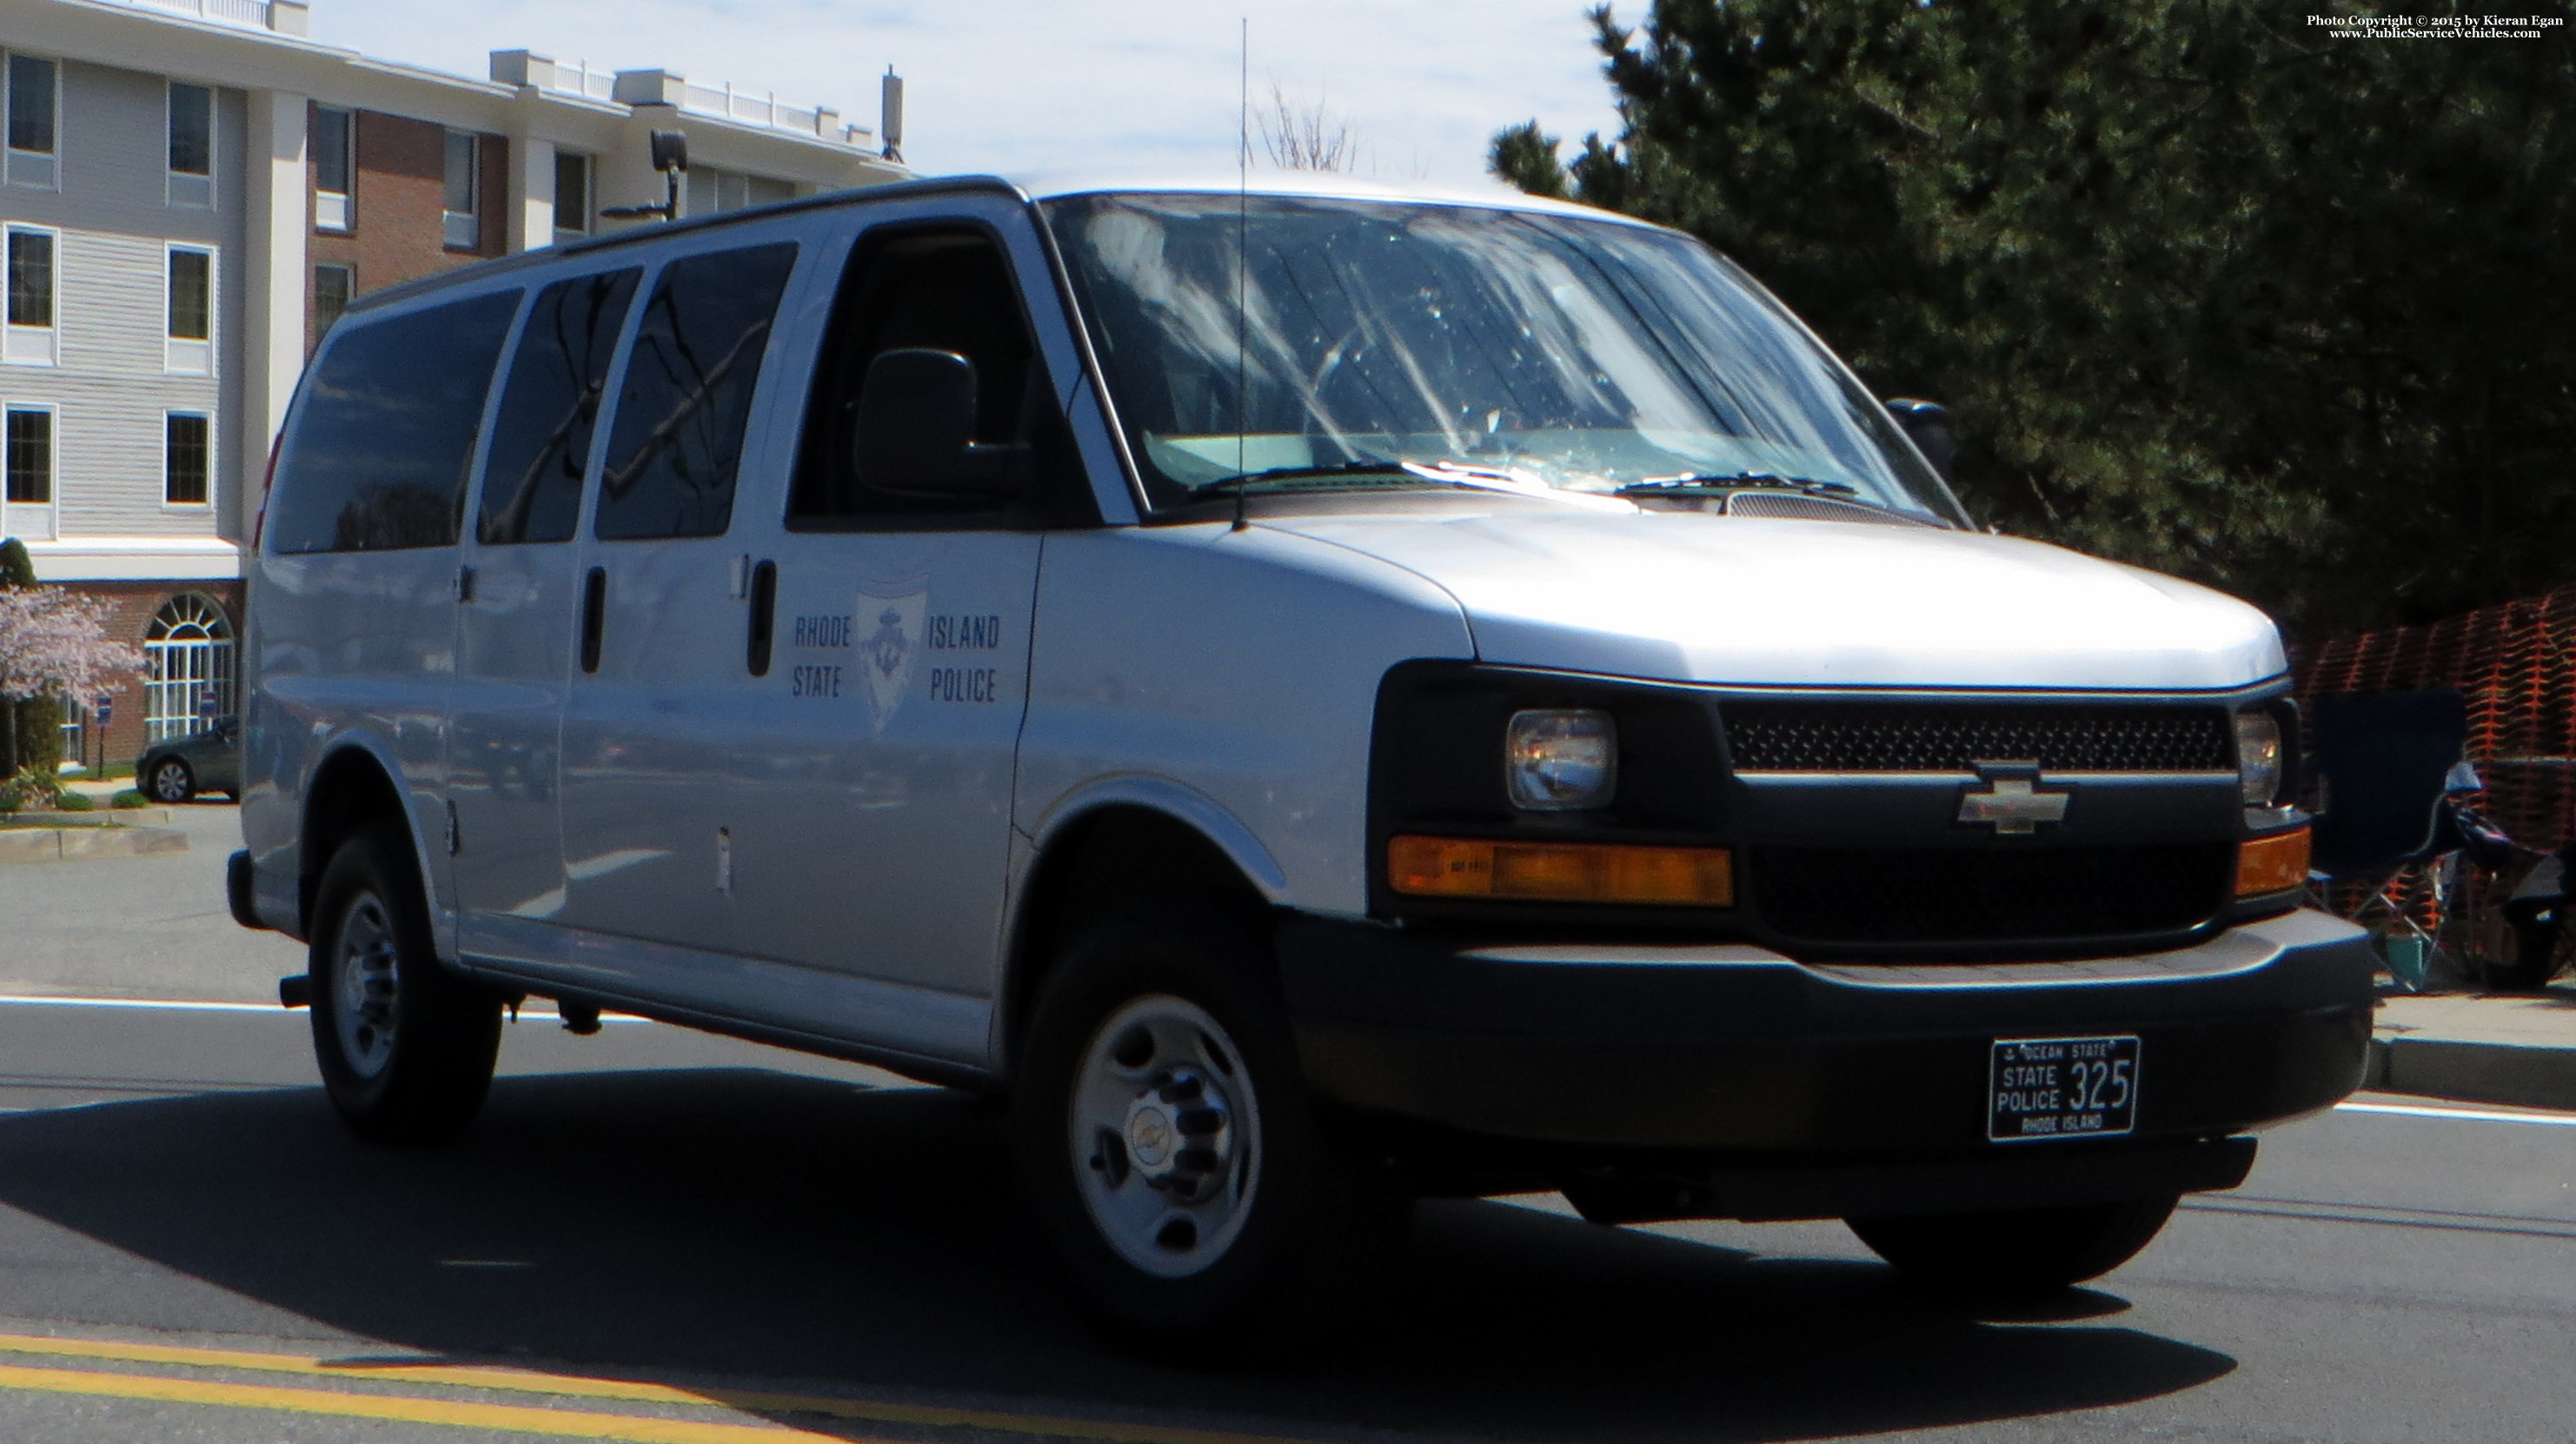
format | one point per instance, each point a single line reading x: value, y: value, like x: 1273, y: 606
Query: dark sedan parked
x: 179, y: 768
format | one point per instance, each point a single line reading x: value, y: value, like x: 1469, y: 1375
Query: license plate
x: 2052, y: 1088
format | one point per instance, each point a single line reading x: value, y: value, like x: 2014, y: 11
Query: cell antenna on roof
x: 1242, y: 252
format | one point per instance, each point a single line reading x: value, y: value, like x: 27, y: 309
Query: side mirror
x: 916, y: 432
x: 1927, y: 425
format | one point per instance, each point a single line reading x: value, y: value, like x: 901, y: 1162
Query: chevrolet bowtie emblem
x: 2013, y: 805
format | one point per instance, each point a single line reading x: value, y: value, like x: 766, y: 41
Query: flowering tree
x: 53, y: 643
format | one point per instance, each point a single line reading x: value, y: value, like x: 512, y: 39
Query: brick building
x: 190, y: 193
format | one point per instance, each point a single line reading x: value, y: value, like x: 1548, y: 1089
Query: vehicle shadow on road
x: 737, y: 1223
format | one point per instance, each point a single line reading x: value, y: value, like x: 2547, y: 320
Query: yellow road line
x: 530, y: 1381
x: 515, y: 1418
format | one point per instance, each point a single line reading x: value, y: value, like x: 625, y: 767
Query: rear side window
x: 686, y: 397
x: 541, y: 439
x: 385, y: 433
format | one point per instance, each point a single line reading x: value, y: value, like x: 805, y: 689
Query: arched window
x: 188, y: 658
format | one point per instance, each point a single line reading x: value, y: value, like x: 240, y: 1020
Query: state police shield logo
x: 889, y: 617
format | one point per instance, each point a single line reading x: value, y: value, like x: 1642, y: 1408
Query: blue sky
x: 1017, y: 85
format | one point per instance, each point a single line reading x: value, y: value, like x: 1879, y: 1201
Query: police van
x: 1322, y: 696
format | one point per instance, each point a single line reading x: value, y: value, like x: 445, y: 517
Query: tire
x: 1167, y: 1147
x: 406, y: 1047
x: 2015, y: 1254
x: 171, y: 781
x: 2540, y: 949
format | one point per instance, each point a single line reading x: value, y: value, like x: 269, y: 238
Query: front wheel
x: 2020, y: 1253
x: 406, y: 1048
x: 171, y: 781
x: 1167, y: 1146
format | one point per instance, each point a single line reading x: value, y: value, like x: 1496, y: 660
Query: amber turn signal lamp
x: 2275, y: 862
x: 1561, y: 871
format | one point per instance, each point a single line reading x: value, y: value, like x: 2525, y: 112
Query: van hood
x: 1695, y: 597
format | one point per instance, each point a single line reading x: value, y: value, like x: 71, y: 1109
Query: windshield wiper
x: 1706, y: 482
x: 1443, y: 473
x: 1326, y: 472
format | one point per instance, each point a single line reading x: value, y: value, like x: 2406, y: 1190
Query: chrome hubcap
x: 365, y: 1007
x: 1165, y: 1136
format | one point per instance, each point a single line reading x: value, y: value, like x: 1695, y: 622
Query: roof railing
x: 291, y: 17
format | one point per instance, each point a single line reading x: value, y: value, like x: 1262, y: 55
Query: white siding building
x: 190, y: 190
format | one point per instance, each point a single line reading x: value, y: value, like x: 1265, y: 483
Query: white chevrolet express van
x: 1324, y: 697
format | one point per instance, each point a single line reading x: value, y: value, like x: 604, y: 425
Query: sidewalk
x: 2514, y: 1049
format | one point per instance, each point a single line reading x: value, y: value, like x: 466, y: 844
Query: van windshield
x: 1275, y: 343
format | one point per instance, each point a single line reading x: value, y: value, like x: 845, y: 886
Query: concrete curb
x: 72, y: 844
x: 96, y: 817
x: 2519, y: 1075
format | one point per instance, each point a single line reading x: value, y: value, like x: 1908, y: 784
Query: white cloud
x: 1016, y: 85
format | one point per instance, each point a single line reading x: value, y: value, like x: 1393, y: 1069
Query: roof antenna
x: 1242, y: 262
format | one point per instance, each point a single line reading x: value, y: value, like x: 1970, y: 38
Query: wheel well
x: 349, y: 792
x: 1121, y: 857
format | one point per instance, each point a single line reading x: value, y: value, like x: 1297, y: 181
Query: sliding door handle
x: 594, y: 616
x: 764, y: 617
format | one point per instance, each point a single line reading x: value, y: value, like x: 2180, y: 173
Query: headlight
x: 1561, y: 760
x: 2258, y: 757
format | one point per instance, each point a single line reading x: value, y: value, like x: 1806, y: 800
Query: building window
x: 30, y: 329
x: 27, y: 456
x: 35, y: 101
x: 709, y: 190
x: 572, y: 195
x: 334, y: 168
x: 192, y: 145
x: 188, y: 666
x: 461, y: 224
x: 187, y: 458
x: 333, y: 288
x: 189, y: 349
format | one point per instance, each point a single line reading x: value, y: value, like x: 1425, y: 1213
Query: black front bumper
x: 1740, y: 1060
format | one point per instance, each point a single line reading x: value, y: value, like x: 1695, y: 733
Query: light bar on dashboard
x: 2274, y: 862
x: 1463, y: 867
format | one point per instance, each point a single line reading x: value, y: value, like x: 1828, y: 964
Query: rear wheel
x: 1168, y: 1148
x: 2540, y: 949
x: 2020, y: 1253
x: 171, y: 780
x: 406, y: 1047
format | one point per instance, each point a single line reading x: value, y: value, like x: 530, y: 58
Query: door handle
x: 594, y: 613
x: 764, y: 617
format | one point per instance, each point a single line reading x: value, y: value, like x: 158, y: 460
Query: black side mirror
x: 916, y: 432
x: 1927, y: 425
x: 670, y: 150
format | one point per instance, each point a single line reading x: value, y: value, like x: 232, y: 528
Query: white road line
x: 2474, y: 1115
x: 192, y: 1005
x: 170, y: 1005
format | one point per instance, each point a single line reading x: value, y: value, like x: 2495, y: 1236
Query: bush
x: 74, y: 802
x: 36, y: 789
x: 129, y: 798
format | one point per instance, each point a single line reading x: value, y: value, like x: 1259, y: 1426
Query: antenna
x: 1242, y: 255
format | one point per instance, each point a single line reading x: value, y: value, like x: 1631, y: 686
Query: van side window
x: 549, y: 403
x: 938, y: 290
x: 686, y: 398
x: 385, y: 434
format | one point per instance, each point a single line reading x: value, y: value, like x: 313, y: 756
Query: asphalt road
x: 662, y: 1236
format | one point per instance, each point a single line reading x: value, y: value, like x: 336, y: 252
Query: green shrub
x: 74, y: 802
x: 129, y: 798
x: 35, y: 789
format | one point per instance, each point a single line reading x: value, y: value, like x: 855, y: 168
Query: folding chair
x: 2384, y: 761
